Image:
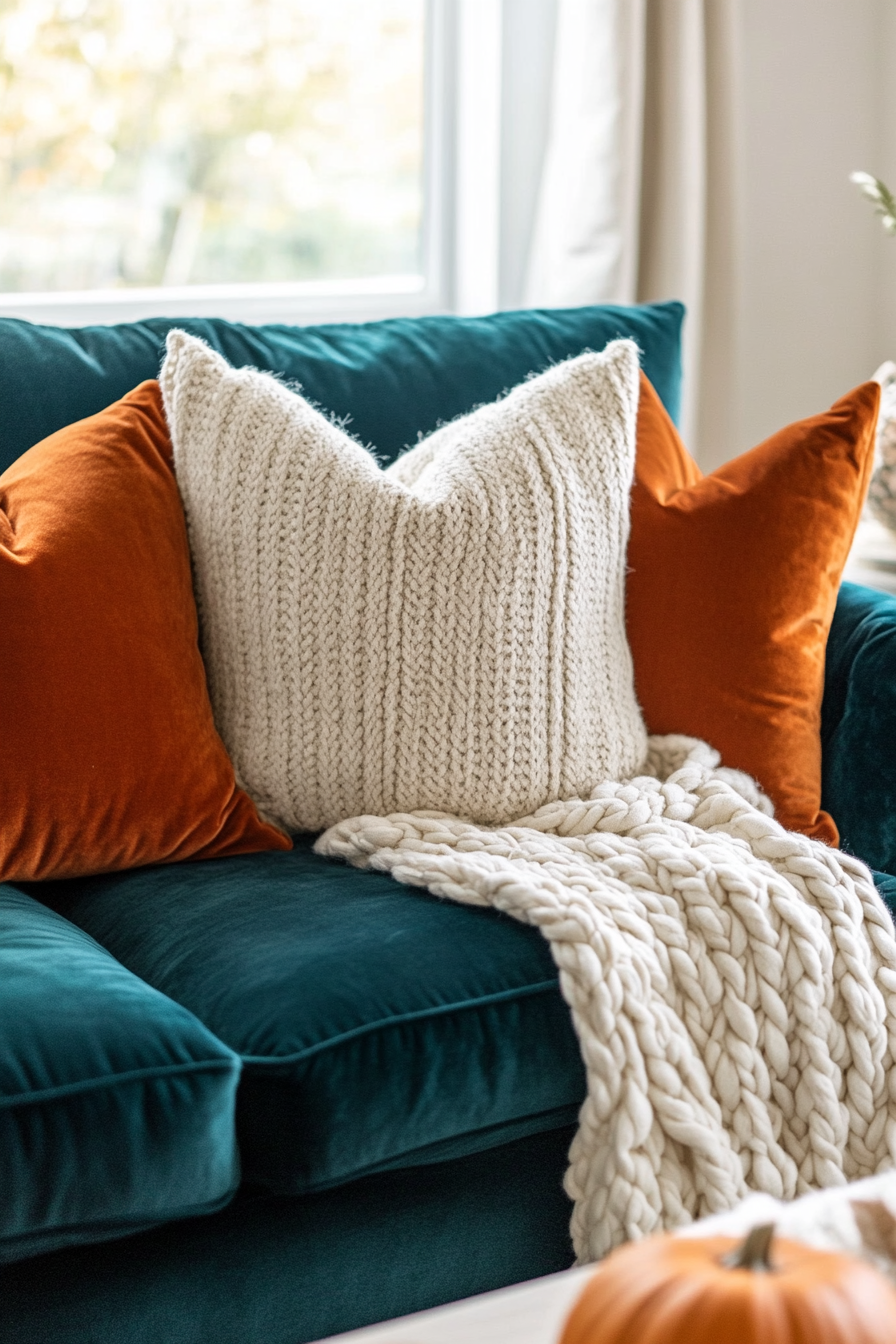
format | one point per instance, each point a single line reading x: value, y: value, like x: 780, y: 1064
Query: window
x: 212, y: 155
x: 264, y: 160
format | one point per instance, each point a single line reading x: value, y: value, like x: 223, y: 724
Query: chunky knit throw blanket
x: 733, y: 985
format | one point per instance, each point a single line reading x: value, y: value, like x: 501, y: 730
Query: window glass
x: 178, y: 142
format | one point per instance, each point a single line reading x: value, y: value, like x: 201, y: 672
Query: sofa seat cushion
x: 116, y: 1105
x: 379, y: 1026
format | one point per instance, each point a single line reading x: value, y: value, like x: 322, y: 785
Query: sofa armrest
x: 858, y: 725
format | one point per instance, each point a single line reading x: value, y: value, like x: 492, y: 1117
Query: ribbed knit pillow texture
x: 109, y: 756
x: 446, y: 634
x: 732, y: 586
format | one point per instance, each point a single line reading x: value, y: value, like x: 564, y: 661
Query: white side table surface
x: 527, y: 1313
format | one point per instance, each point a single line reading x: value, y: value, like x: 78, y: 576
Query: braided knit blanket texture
x: 733, y: 984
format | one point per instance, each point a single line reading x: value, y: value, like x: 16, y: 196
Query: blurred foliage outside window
x: 177, y: 142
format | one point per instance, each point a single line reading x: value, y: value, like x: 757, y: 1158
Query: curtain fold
x: 637, y: 198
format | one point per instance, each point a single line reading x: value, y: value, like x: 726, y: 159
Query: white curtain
x: 637, y: 193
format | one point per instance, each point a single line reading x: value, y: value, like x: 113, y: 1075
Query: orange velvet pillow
x: 731, y: 590
x: 109, y: 756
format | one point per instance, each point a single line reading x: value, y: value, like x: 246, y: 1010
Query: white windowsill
x: 301, y: 302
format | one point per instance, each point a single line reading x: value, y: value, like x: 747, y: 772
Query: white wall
x: 817, y: 284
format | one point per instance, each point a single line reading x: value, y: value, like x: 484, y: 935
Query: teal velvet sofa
x: 261, y: 1100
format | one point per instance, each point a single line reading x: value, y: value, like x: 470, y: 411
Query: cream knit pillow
x: 447, y: 634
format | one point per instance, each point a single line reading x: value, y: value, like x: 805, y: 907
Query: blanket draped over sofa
x: 733, y: 984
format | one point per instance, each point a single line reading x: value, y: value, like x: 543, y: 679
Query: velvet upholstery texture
x: 886, y: 885
x: 116, y: 1105
x: 858, y: 728
x: 109, y: 756
x: 378, y: 1025
x: 732, y: 586
x: 277, y: 1271
x: 393, y: 379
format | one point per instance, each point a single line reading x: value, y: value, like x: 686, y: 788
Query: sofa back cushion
x: 116, y: 1104
x: 393, y: 380
x: 858, y: 729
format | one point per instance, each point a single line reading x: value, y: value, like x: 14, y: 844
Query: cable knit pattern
x: 733, y: 984
x: 448, y: 633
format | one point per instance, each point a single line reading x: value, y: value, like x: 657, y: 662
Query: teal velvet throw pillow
x: 116, y: 1105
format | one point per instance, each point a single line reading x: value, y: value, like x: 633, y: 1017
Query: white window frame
x: 462, y: 118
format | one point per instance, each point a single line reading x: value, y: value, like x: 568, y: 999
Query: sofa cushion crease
x: 398, y: 1019
x: 37, y: 1096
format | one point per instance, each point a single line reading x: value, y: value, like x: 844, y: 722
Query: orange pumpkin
x: 716, y: 1290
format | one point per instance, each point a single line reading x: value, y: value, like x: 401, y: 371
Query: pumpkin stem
x: 753, y: 1252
